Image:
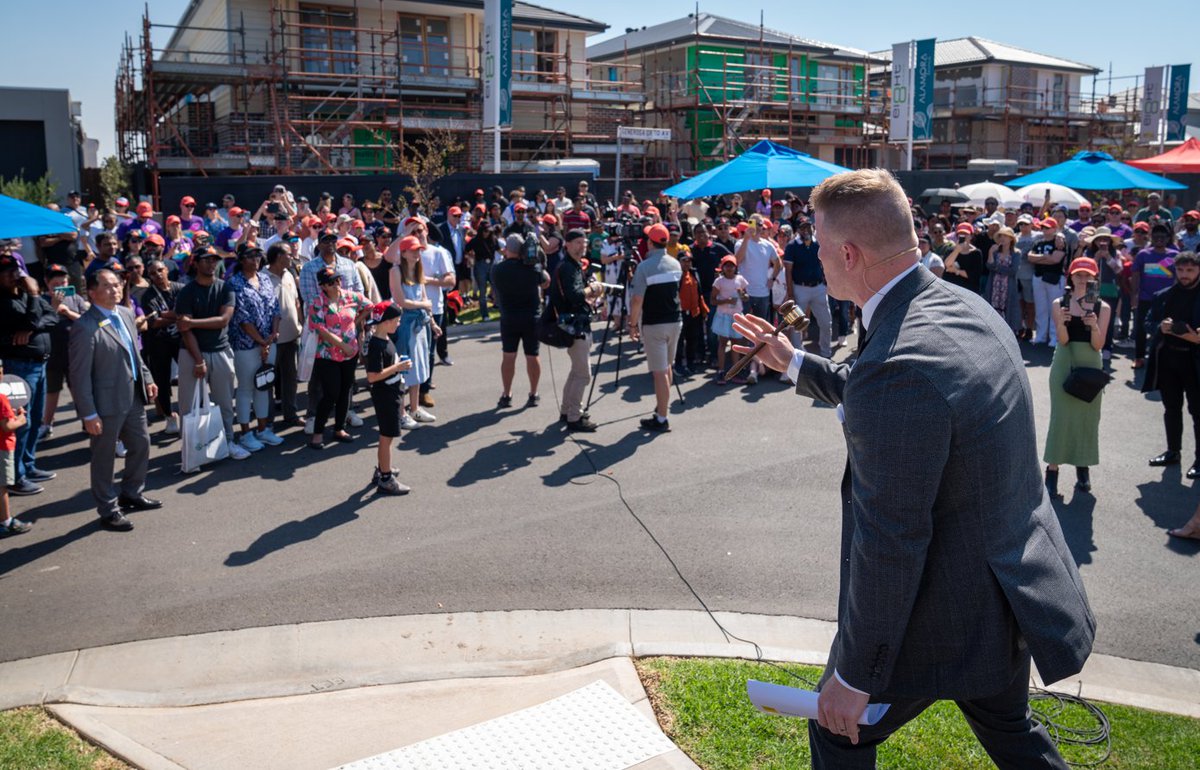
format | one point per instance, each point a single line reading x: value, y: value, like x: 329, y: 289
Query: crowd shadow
x: 602, y: 456
x: 14, y: 558
x: 430, y: 441
x: 1169, y: 504
x: 1075, y: 518
x: 300, y: 530
x: 516, y: 450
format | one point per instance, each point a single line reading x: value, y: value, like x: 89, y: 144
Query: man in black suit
x: 953, y: 572
x: 112, y: 388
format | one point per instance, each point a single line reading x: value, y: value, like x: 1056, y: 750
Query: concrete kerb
x: 327, y: 656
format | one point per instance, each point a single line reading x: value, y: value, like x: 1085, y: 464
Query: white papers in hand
x: 786, y: 701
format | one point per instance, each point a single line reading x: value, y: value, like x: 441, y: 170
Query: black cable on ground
x: 1099, y: 734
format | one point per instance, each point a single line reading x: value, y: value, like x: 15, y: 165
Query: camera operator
x: 655, y: 318
x: 1174, y: 366
x: 572, y: 296
x: 516, y: 280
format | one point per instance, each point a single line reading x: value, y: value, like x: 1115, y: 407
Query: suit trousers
x: 577, y: 380
x: 814, y: 301
x: 220, y: 384
x: 1001, y: 722
x: 1045, y: 295
x: 1140, y: 315
x: 1177, y: 380
x: 132, y: 430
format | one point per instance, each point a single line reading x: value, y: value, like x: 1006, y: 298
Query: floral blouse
x: 338, y: 319
x: 257, y: 306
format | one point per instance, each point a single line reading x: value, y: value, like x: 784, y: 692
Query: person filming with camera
x: 1081, y: 323
x: 572, y: 296
x: 516, y: 281
x: 1174, y: 363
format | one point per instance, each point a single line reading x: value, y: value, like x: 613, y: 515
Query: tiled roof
x: 977, y: 50
x: 711, y: 27
x: 528, y: 12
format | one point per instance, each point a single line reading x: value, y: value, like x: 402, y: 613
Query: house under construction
x: 720, y: 85
x: 290, y: 87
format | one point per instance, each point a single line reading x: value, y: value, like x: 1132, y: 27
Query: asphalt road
x: 503, y: 515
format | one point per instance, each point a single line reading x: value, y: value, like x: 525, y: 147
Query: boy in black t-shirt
x: 383, y: 374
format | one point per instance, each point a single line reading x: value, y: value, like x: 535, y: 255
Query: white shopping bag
x: 203, y: 435
x: 308, y: 353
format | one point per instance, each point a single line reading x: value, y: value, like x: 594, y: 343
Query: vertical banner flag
x: 1152, y: 95
x: 1177, y: 98
x: 901, y: 81
x: 922, y: 93
x: 497, y: 64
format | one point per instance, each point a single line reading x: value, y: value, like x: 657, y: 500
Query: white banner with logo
x: 1152, y: 103
x: 899, y: 125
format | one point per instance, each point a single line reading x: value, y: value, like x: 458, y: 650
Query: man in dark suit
x: 112, y: 388
x: 954, y: 570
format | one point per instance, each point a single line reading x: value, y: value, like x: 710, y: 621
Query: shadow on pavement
x: 602, y: 456
x: 517, y: 450
x: 14, y: 558
x: 441, y: 435
x: 298, y: 531
x: 1075, y: 518
x: 1168, y: 503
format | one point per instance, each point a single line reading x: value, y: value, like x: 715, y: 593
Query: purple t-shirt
x: 193, y: 223
x: 147, y: 226
x: 1156, y: 269
x: 227, y: 240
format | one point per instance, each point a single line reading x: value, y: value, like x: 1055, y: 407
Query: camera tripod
x: 628, y: 266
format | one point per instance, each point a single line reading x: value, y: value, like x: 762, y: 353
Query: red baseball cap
x: 519, y: 207
x: 455, y: 211
x: 156, y: 238
x: 358, y: 223
x: 1048, y: 222
x: 1141, y: 227
x: 174, y: 220
x: 964, y: 229
x: 1193, y: 214
x: 145, y: 209
x: 550, y: 219
x: 479, y: 192
x: 651, y: 210
x: 1116, y: 209
x: 188, y: 201
x: 1084, y: 265
x: 657, y: 233
x: 728, y: 259
x: 766, y: 192
x: 409, y: 243
x: 1085, y: 205
x: 346, y: 243
x: 236, y: 211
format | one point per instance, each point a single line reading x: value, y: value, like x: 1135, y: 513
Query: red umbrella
x: 1184, y: 159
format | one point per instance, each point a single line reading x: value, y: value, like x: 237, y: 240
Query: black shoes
x: 1083, y: 480
x: 582, y: 425
x: 1194, y: 471
x: 533, y: 400
x: 1166, y: 458
x: 653, y: 424
x: 563, y: 418
x: 139, y: 503
x: 1052, y: 484
x: 117, y: 523
x: 504, y: 402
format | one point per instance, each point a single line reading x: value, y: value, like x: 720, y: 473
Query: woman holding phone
x: 1081, y: 319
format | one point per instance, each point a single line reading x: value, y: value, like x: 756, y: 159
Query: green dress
x: 1074, y: 435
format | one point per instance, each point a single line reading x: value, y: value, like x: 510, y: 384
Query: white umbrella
x: 1059, y: 194
x: 981, y: 191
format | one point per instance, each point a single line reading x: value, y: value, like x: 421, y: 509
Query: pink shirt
x: 338, y: 319
x: 727, y: 288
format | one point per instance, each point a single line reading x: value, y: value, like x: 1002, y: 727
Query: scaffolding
x: 718, y: 99
x: 346, y: 90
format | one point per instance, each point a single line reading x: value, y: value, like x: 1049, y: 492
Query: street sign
x: 644, y: 134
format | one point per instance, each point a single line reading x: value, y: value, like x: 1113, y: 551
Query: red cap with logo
x: 657, y: 233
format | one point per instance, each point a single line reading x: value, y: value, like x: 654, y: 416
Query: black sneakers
x: 387, y: 483
x: 582, y: 425
x: 651, y: 423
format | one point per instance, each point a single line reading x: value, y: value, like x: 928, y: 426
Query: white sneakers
x: 354, y: 420
x: 237, y: 451
x: 423, y: 416
x: 172, y: 425
x: 407, y: 422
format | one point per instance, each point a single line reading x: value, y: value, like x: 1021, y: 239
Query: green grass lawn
x: 31, y: 739
x: 702, y: 705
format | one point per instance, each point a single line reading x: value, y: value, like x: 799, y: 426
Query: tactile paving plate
x: 592, y: 728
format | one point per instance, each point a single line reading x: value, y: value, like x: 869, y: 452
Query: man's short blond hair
x: 868, y: 208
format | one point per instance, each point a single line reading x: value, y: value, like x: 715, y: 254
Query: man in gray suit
x: 112, y: 387
x: 954, y: 570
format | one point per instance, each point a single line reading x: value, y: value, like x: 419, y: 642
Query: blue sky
x: 81, y: 54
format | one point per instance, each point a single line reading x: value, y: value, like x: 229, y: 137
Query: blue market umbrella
x: 766, y: 164
x: 19, y: 219
x: 1097, y: 171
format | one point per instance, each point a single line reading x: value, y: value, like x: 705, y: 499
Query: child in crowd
x: 728, y: 293
x: 10, y: 422
x: 384, y: 369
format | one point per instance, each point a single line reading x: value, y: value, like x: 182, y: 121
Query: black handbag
x: 1085, y: 382
x: 553, y: 330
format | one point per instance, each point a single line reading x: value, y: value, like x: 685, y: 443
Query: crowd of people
x: 241, y: 306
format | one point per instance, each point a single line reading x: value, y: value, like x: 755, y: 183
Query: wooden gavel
x: 791, y: 317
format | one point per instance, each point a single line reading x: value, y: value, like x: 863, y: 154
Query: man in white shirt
x: 439, y: 277
x: 758, y: 263
x: 562, y: 203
